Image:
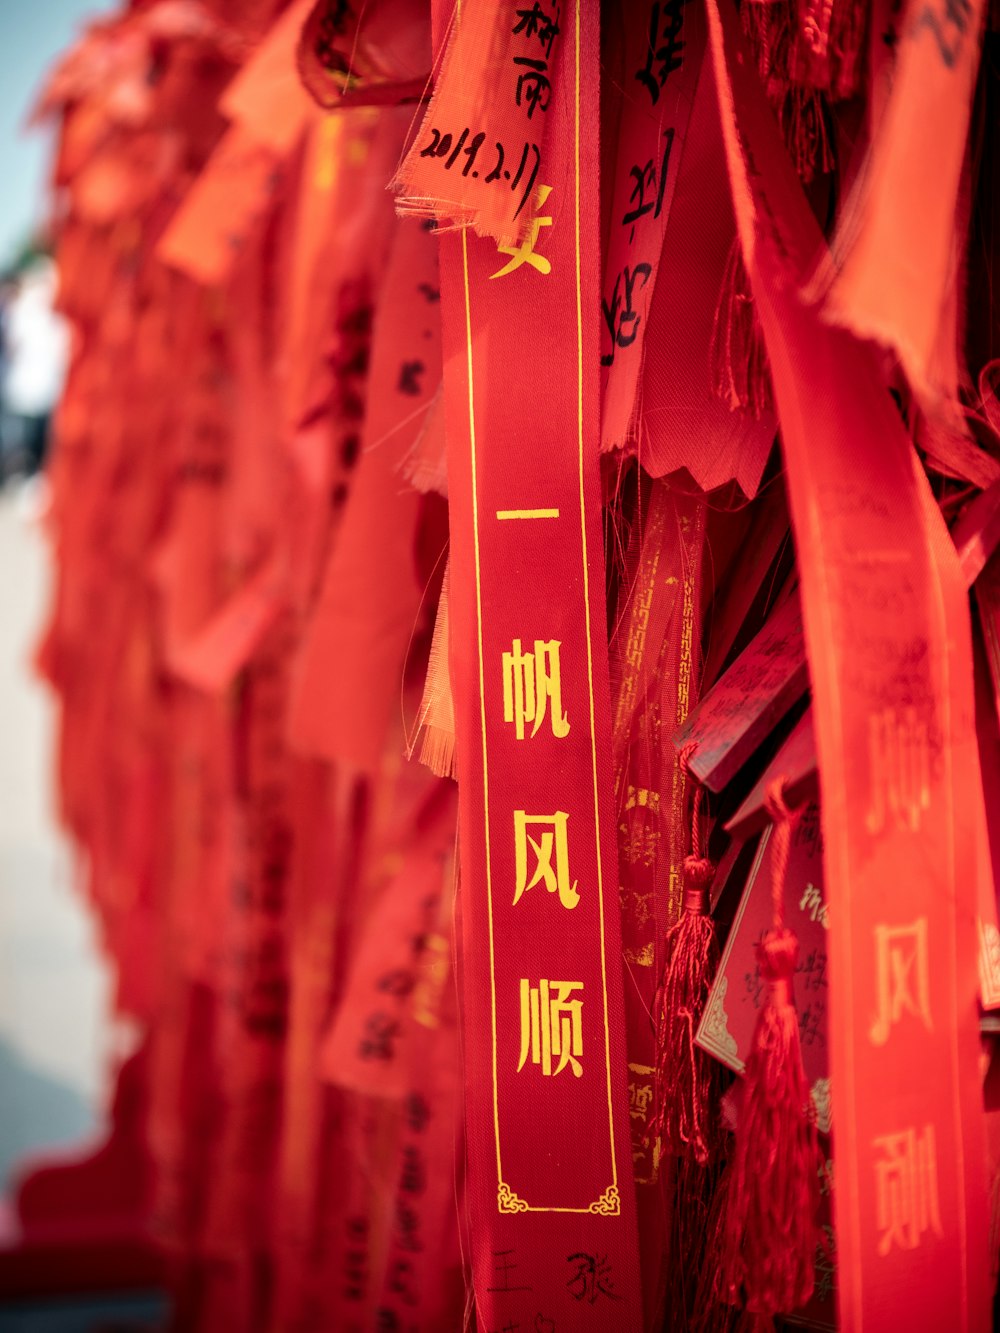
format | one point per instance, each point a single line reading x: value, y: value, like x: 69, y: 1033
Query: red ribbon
x: 887, y: 634
x: 549, y: 1181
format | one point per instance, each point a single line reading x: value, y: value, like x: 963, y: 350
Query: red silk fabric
x: 550, y: 1174
x: 887, y: 631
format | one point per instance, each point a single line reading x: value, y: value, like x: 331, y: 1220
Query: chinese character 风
x: 552, y: 843
x: 902, y: 977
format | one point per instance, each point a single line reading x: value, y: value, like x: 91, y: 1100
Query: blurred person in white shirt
x: 36, y: 351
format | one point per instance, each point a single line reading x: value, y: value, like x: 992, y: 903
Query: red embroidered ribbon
x: 550, y: 1182
x: 887, y: 633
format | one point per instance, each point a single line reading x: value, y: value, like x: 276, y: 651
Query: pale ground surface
x: 55, y: 1041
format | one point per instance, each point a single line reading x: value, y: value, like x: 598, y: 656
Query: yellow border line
x: 482, y: 686
x: 527, y: 513
x: 586, y: 601
x: 538, y: 513
x: 482, y: 676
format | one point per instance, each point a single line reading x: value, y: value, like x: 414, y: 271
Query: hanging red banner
x: 663, y: 47
x: 550, y: 1168
x: 886, y: 621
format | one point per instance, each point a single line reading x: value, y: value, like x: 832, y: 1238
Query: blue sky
x: 32, y: 34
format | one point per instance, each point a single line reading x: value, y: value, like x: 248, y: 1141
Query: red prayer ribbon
x: 887, y: 634
x: 549, y: 1162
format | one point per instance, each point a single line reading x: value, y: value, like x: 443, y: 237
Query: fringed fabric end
x: 436, y: 728
x: 740, y: 375
x: 437, y: 752
x: 803, y: 119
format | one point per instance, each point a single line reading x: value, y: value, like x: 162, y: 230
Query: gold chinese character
x: 902, y: 977
x: 525, y: 252
x: 906, y: 1189
x: 899, y: 755
x: 552, y: 841
x: 532, y: 682
x: 640, y: 1099
x: 551, y: 1026
x: 645, y: 1147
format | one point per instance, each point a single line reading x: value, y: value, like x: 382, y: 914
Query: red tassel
x: 711, y: 1312
x: 808, y: 54
x: 814, y: 45
x: 829, y: 45
x: 686, y: 1120
x: 802, y: 115
x: 740, y: 375
x: 770, y: 1227
x: 687, y: 1117
x: 770, y: 29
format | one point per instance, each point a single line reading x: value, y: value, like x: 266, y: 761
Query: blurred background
x: 55, y: 1039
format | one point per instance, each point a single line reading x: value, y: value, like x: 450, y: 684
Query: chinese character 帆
x: 531, y: 683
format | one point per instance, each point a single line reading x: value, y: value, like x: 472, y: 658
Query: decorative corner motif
x: 821, y: 1101
x: 507, y: 1200
x: 714, y: 1033
x: 609, y: 1204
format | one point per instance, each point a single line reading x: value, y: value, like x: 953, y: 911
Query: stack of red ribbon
x: 534, y: 755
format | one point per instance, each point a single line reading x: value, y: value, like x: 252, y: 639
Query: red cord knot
x: 685, y: 756
x: 699, y: 873
x: 777, y: 958
x: 774, y: 801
